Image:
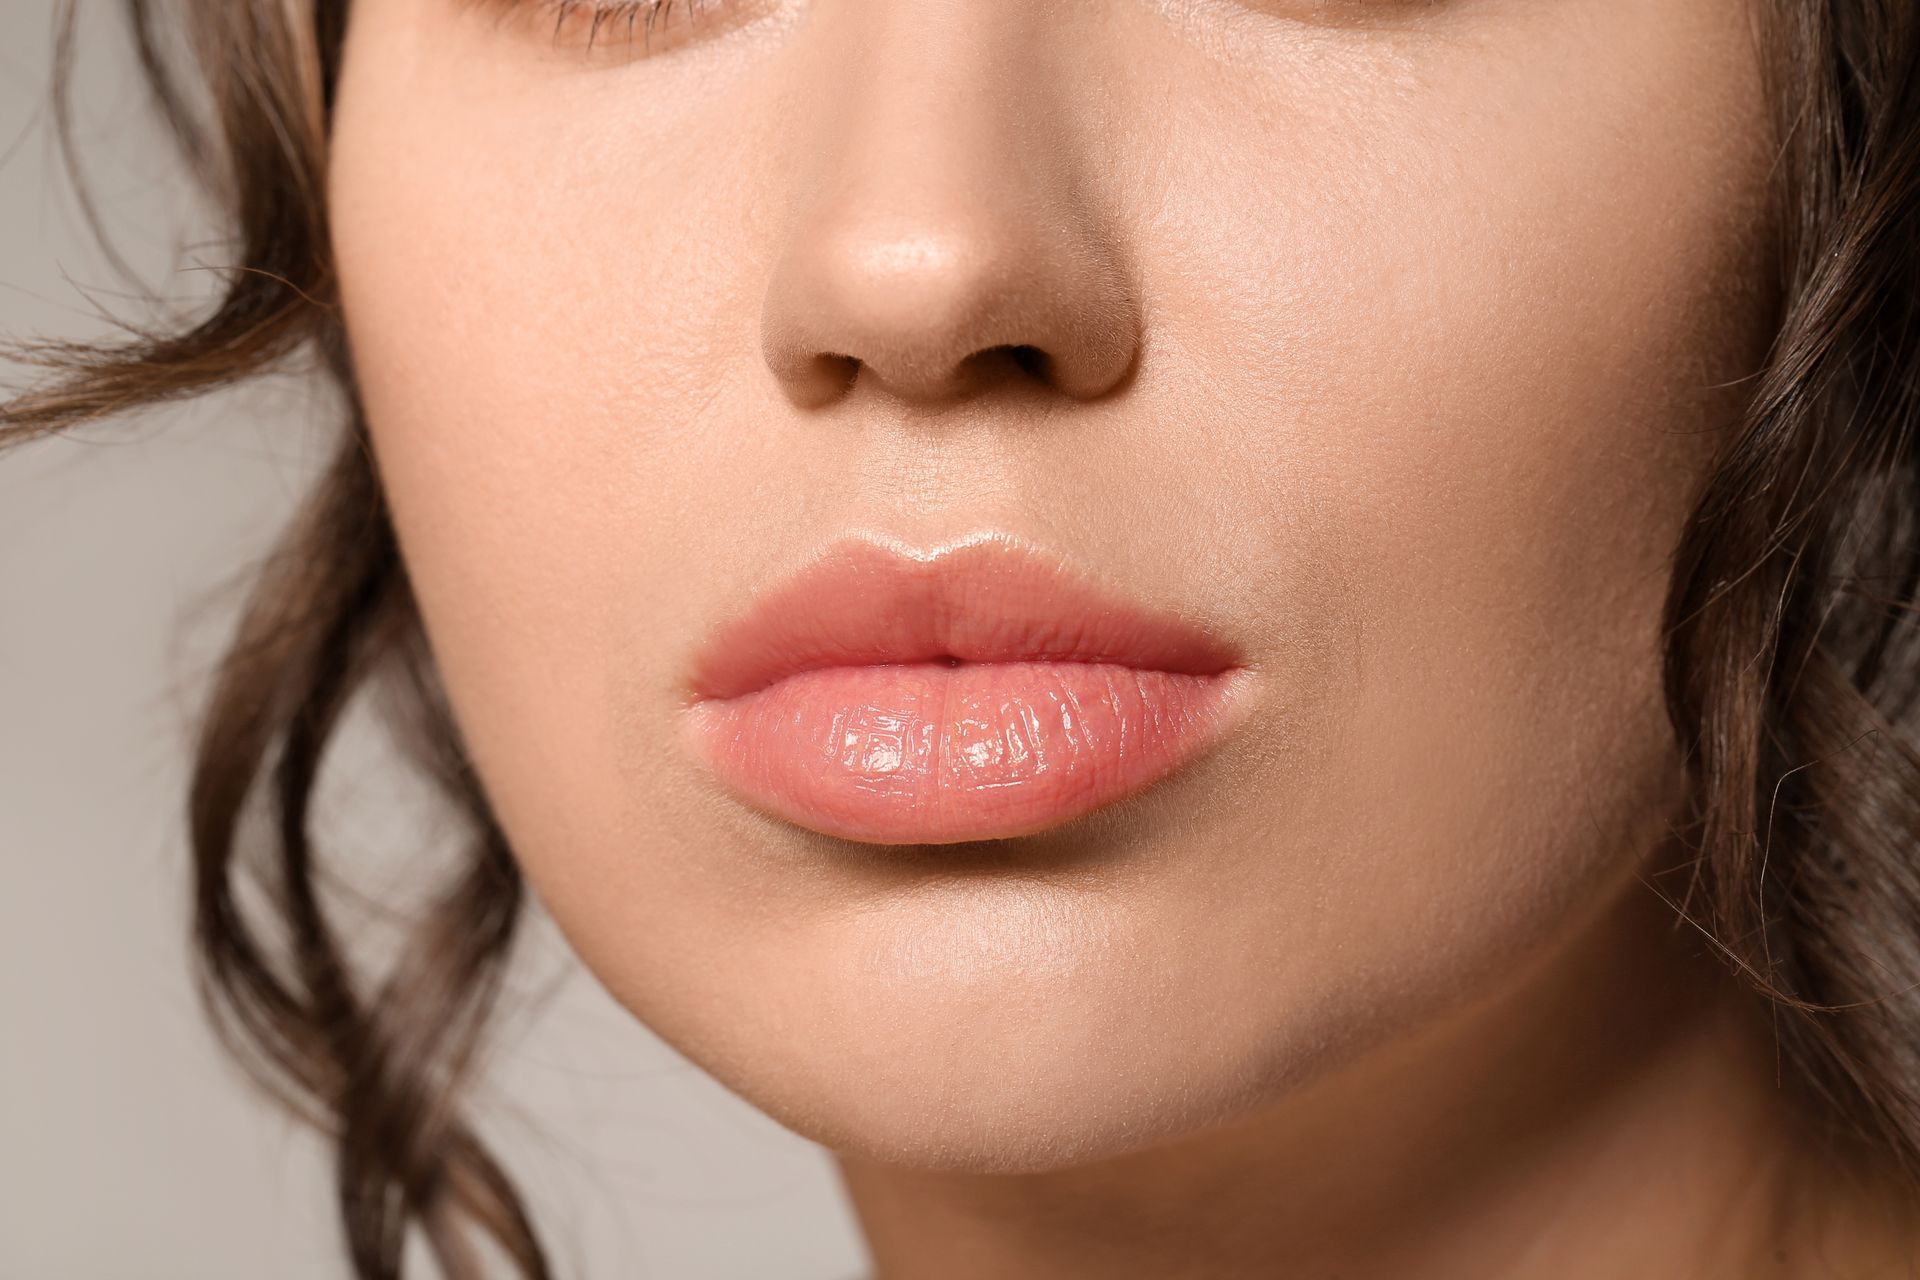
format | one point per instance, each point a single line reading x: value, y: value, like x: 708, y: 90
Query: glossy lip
x: 983, y: 692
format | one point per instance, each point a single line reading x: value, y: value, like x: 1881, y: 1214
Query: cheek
x: 1474, y: 339
x: 550, y: 324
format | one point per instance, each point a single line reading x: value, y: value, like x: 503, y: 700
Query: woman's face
x: 1386, y: 342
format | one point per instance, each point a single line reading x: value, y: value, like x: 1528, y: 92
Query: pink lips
x: 979, y: 694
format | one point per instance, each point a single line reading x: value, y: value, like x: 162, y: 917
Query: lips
x: 983, y: 693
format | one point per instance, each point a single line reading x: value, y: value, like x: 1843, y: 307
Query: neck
x: 1615, y: 1112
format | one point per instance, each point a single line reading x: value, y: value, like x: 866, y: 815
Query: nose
x: 942, y: 233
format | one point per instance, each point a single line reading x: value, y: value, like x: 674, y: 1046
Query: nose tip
x: 936, y: 307
x: 945, y: 227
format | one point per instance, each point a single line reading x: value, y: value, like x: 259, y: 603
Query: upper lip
x: 993, y: 599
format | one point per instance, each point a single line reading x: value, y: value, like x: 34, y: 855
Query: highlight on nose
x: 938, y: 307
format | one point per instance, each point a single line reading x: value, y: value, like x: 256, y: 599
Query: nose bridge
x: 941, y: 223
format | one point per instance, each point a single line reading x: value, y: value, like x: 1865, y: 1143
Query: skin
x: 1390, y: 339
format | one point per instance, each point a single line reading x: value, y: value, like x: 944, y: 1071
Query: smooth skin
x: 1392, y: 340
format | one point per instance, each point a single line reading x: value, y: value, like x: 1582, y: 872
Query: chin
x: 984, y: 1031
x: 1011, y: 1102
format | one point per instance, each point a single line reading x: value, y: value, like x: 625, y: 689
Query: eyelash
x: 638, y: 17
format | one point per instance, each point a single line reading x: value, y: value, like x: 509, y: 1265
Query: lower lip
x: 924, y: 753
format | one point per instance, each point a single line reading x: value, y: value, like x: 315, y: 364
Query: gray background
x: 129, y: 1148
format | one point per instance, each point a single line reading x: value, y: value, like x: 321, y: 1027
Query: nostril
x: 1030, y: 360
x: 1033, y: 362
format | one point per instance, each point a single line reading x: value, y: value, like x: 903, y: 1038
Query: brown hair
x: 1792, y: 666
